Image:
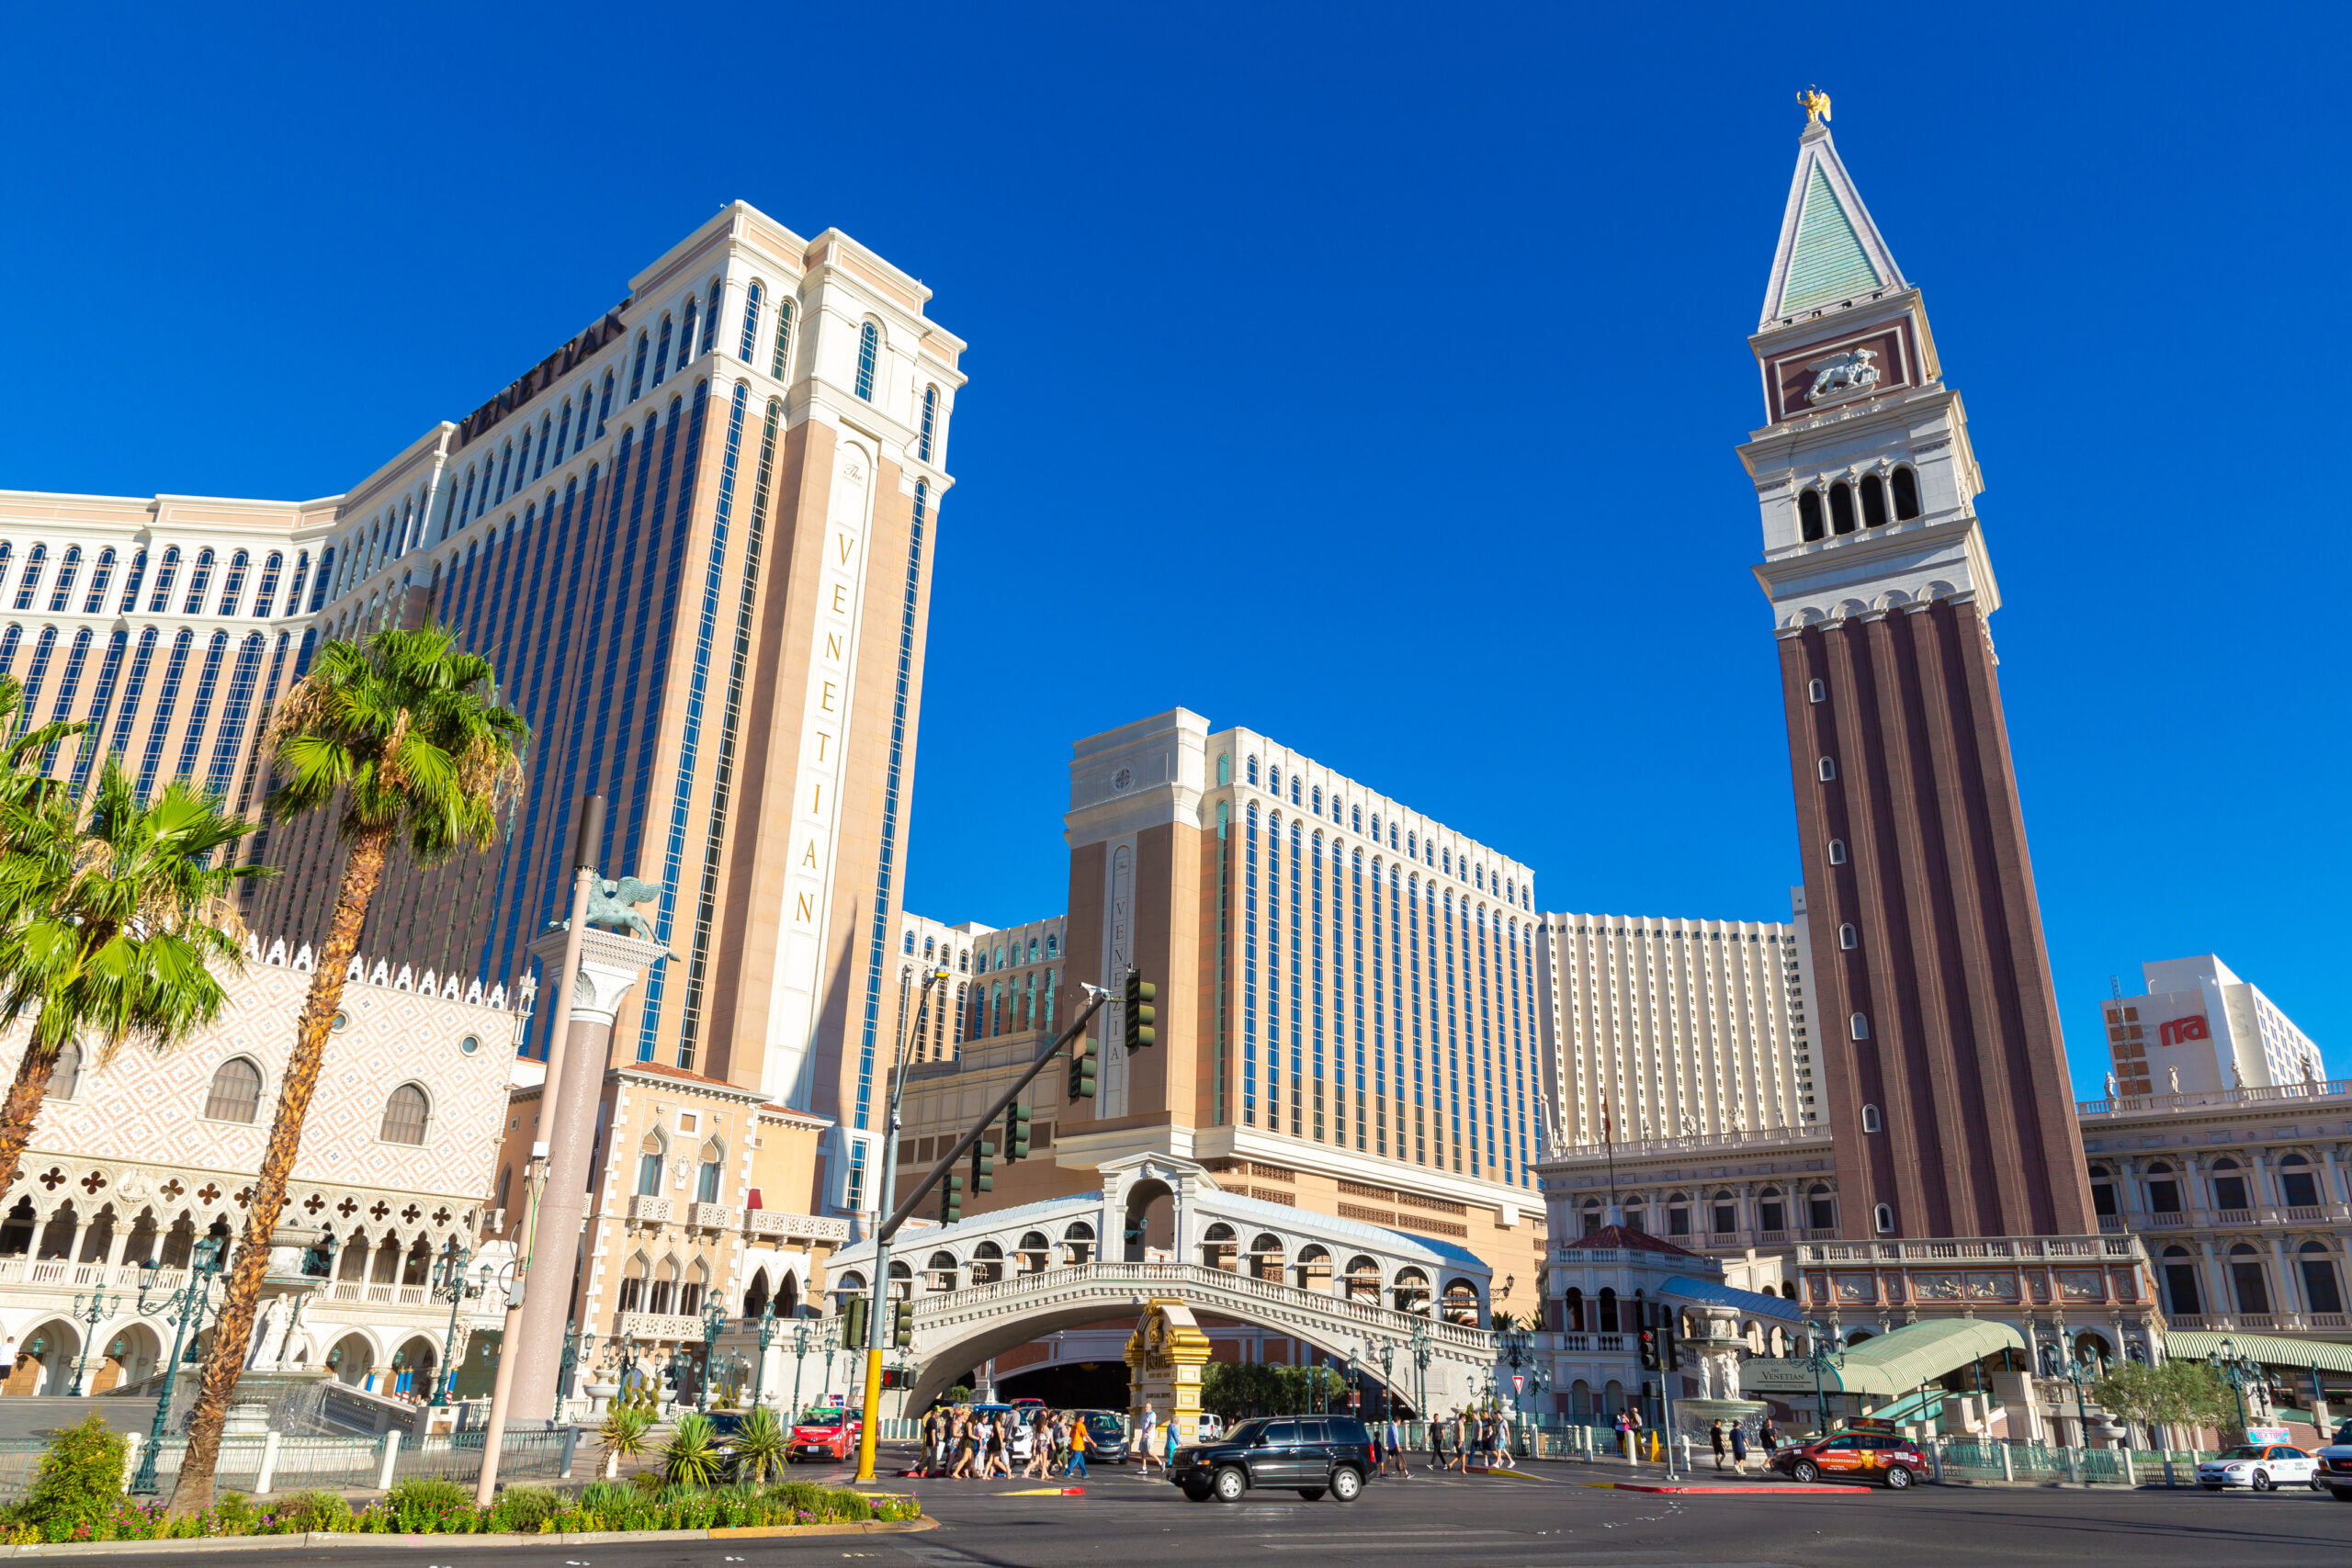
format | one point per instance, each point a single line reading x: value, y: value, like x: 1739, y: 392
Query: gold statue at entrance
x: 1817, y: 105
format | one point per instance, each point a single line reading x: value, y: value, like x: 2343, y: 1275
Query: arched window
x: 869, y: 358
x: 1841, y: 509
x: 1318, y: 798
x: 1861, y: 1026
x: 604, y: 406
x: 99, y: 577
x: 30, y: 582
x: 1884, y: 1217
x: 930, y: 421
x: 563, y: 427
x: 662, y: 352
x: 1053, y: 945
x: 781, y: 360
x: 1846, y: 936
x: 236, y: 1091
x: 1837, y: 852
x: 1821, y: 1207
x: 540, y: 464
x: 166, y: 571
x: 708, y: 1174
x: 686, y: 334
x: 2297, y: 1186
x: 405, y: 1114
x: 1816, y: 690
x: 232, y: 589
x: 751, y: 321
x: 67, y: 569
x: 267, y: 595
x: 1874, y: 502
x: 649, y: 1165
x: 197, y: 583
x: 1870, y: 1119
x: 1828, y: 770
x: 1274, y: 779
x: 2322, y: 1289
x: 1906, y: 495
x: 637, y: 368
x: 1809, y: 513
x: 1253, y: 770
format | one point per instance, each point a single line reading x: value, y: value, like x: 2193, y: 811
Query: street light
x: 714, y: 1324
x: 571, y: 1360
x: 766, y: 1321
x: 449, y: 1279
x: 1420, y: 1365
x: 188, y: 1305
x: 98, y: 1310
x: 1822, y: 1360
x: 1387, y: 1379
x: 1517, y: 1348
x: 2237, y: 1371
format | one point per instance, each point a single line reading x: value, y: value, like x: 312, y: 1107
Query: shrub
x: 320, y: 1511
x: 429, y: 1506
x: 761, y: 1446
x: 623, y: 1436
x: 80, y: 1484
x: 522, y: 1510
x: 693, y: 1456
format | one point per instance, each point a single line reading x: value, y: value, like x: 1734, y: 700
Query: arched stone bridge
x: 999, y: 1280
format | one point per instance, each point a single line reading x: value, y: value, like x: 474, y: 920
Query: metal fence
x: 19, y: 1462
x: 329, y: 1464
x: 523, y: 1456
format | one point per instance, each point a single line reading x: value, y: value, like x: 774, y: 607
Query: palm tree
x: 402, y: 735
x: 112, y: 919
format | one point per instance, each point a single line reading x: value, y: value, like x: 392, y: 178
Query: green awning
x: 1889, y: 1364
x: 2270, y: 1349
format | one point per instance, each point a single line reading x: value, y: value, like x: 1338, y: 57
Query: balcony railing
x: 2231, y: 1219
x: 660, y: 1326
x: 1960, y: 1249
x: 2213, y: 1100
x: 2265, y: 1322
x: 711, y: 1216
x: 777, y: 1223
x: 644, y: 1207
x: 1757, y: 1138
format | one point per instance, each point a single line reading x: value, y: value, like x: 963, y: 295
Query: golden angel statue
x: 1817, y: 105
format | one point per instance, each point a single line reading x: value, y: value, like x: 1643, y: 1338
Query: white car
x: 2336, y: 1465
x: 2262, y: 1466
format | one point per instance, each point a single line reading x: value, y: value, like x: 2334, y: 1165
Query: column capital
x: 609, y: 964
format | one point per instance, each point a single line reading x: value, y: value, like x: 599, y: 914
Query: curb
x: 1792, y: 1490
x: 459, y: 1542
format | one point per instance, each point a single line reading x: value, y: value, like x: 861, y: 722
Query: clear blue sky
x: 1368, y: 376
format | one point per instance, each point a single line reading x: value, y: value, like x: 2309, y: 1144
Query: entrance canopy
x: 2270, y: 1349
x: 1891, y: 1364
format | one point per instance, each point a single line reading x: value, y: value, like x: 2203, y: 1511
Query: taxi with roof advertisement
x: 1866, y: 1451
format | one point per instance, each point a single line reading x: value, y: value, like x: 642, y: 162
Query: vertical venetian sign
x: 1119, y: 951
x: 816, y: 808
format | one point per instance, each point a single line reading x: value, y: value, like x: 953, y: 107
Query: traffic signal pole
x: 878, y: 1318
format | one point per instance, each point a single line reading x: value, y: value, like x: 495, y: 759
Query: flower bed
x: 78, y: 1498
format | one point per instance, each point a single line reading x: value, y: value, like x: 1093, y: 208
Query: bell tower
x: 1945, y: 1082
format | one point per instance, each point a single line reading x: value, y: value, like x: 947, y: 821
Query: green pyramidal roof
x: 1827, y: 261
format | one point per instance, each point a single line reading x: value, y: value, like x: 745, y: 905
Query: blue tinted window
x: 99, y: 576
x: 781, y: 360
x: 67, y: 569
x: 869, y: 355
x: 930, y: 419
x: 751, y: 322
x: 30, y: 582
x: 234, y: 587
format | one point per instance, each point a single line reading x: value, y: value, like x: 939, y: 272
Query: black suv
x: 1310, y: 1454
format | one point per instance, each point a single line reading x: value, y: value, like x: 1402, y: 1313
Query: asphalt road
x: 1492, y: 1522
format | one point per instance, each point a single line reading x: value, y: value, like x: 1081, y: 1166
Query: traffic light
x: 1666, y: 1358
x: 1139, y: 1014
x: 984, y: 1166
x: 951, y: 1200
x: 902, y: 1324
x: 1081, y: 1069
x: 897, y: 1377
x: 1649, y: 1350
x: 1016, y: 1133
x: 853, y: 1313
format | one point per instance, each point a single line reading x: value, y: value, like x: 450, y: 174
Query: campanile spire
x: 1946, y: 1089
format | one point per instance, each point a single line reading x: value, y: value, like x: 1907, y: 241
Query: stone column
x: 2290, y: 1285
x: 2217, y: 1295
x: 2335, y: 1183
x: 610, y: 965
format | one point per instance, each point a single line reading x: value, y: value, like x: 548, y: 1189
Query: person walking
x: 1168, y: 1459
x: 1769, y: 1436
x: 1076, y: 1447
x: 1433, y: 1431
x: 1715, y: 1437
x: 1459, y: 1438
x: 1740, y: 1447
x: 1148, y: 1438
x: 1392, y: 1449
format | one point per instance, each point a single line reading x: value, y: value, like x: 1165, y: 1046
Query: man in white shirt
x: 1148, y: 1433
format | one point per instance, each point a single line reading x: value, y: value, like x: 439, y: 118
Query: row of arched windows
x: 93, y: 596
x: 1836, y: 505
x: 1047, y: 947
x: 1428, y: 851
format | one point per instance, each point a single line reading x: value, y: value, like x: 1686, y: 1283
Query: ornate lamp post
x: 767, y: 1337
x: 187, y: 1305
x: 803, y: 1336
x: 98, y: 1310
x: 2237, y: 1371
x: 1517, y: 1348
x: 1822, y: 1360
x: 571, y: 1360
x: 1387, y: 1380
x: 714, y: 1324
x: 449, y: 1279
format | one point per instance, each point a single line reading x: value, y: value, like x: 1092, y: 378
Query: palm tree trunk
x: 363, y: 871
x: 23, y: 1105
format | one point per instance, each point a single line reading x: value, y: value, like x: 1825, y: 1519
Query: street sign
x: 1518, y: 1383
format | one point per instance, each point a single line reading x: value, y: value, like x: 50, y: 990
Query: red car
x: 1854, y: 1455
x: 824, y: 1434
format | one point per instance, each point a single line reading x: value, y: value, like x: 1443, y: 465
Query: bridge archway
x: 1150, y: 1218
